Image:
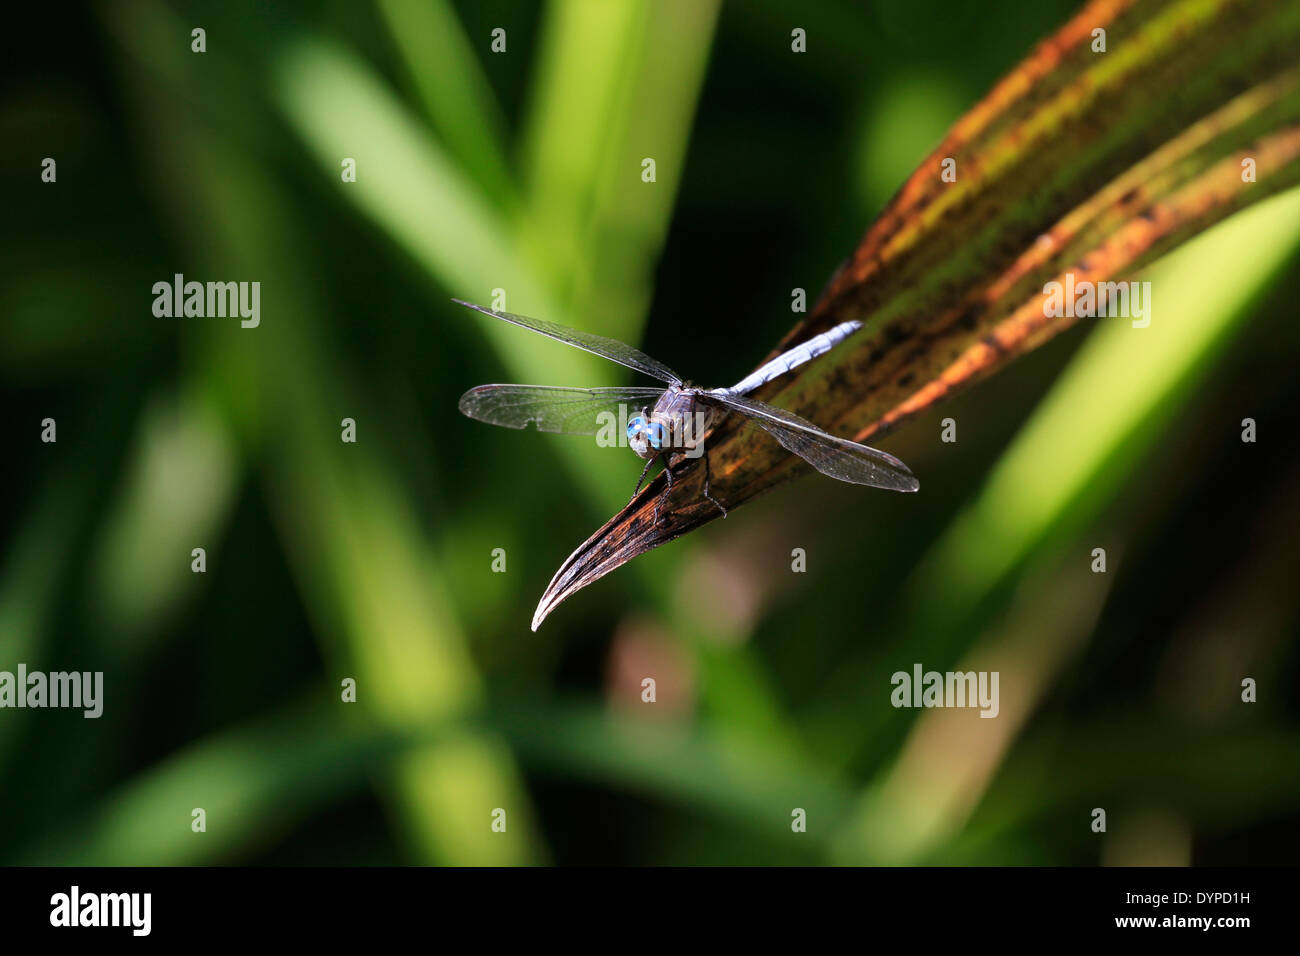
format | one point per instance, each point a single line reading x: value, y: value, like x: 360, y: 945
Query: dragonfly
x: 675, y: 418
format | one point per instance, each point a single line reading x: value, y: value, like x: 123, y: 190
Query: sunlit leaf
x: 1077, y: 162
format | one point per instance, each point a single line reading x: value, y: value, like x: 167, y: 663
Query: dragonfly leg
x: 668, y: 473
x: 641, y: 481
x: 706, y: 487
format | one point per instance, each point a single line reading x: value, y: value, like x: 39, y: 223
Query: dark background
x: 372, y: 560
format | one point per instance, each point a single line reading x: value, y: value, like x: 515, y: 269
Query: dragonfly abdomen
x: 788, y: 361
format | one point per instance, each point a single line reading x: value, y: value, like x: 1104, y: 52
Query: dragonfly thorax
x: 676, y: 423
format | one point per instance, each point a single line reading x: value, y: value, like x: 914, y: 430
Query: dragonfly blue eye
x: 635, y: 426
x: 655, y: 432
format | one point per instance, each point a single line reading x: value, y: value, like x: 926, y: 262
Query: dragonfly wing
x: 837, y: 457
x: 612, y: 349
x: 571, y: 411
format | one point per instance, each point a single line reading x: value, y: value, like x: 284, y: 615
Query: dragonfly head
x: 646, y: 437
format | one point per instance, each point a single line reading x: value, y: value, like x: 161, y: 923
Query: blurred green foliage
x: 521, y: 170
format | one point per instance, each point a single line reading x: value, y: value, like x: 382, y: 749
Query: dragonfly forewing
x: 612, y: 349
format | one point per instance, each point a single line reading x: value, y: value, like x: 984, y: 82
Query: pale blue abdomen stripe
x: 801, y: 353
